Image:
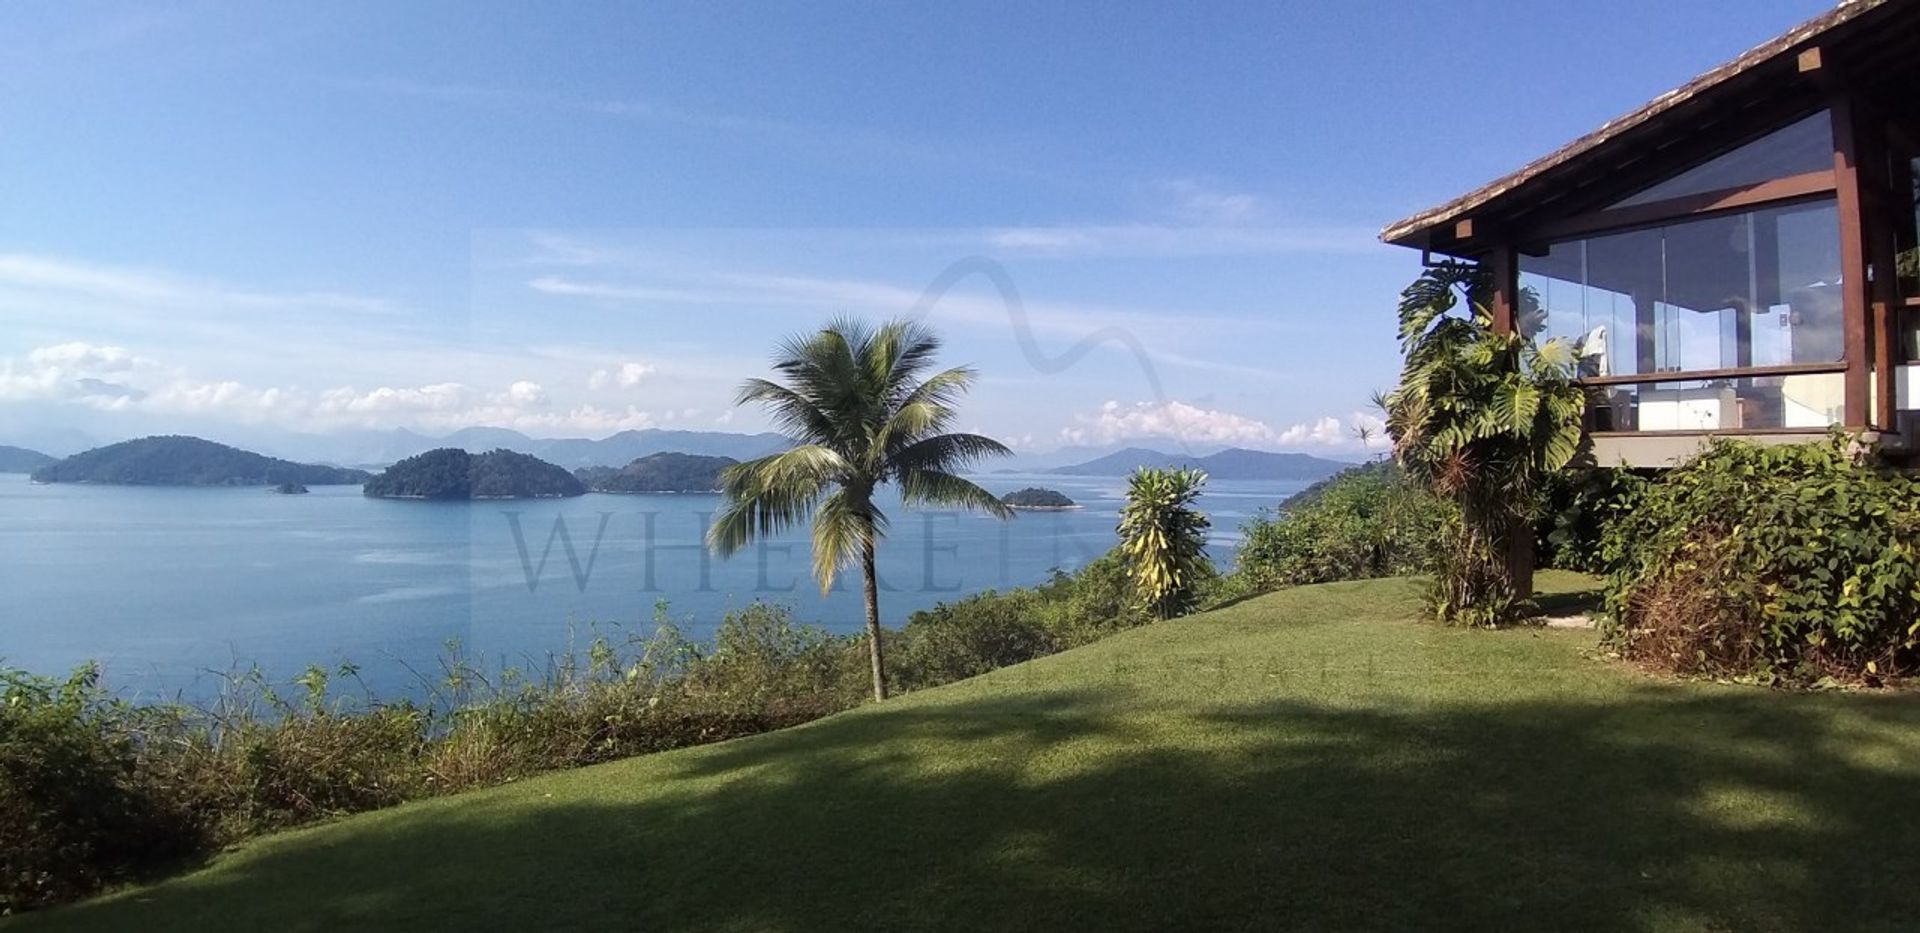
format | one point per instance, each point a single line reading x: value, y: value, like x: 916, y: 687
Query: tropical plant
x: 1480, y: 417
x: 862, y: 416
x: 1164, y: 538
x: 1365, y: 521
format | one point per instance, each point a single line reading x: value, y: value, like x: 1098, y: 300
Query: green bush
x: 1367, y: 521
x: 79, y: 808
x: 1576, y: 506
x: 983, y: 632
x: 1784, y: 563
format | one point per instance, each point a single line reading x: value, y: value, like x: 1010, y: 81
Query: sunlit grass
x: 1310, y: 759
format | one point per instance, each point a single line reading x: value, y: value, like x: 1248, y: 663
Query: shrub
x: 1366, y: 522
x: 983, y: 632
x: 78, y: 808
x: 1576, y: 506
x: 1781, y: 563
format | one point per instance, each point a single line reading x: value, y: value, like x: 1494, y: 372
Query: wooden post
x: 1506, y: 287
x: 1854, y: 293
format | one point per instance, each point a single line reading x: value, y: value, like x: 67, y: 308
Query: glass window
x: 1796, y: 149
x: 1813, y: 401
x: 1758, y: 288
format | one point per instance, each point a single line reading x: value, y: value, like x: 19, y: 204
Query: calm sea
x: 167, y: 586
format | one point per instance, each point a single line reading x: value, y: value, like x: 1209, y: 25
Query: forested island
x: 1038, y: 499
x: 175, y: 460
x: 452, y: 473
x: 290, y: 489
x: 661, y: 472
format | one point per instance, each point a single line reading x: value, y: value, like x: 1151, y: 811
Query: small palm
x: 861, y: 416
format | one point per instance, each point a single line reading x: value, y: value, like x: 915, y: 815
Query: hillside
x: 1232, y: 464
x: 174, y: 460
x: 452, y: 473
x: 22, y: 460
x: 391, y: 446
x: 662, y: 472
x: 1308, y: 760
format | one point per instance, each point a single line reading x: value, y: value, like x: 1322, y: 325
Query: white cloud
x: 626, y: 376
x: 49, y: 278
x: 1196, y: 201
x: 1176, y: 420
x: 525, y: 392
x: 1191, y: 424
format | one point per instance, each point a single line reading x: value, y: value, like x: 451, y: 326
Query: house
x: 1735, y: 257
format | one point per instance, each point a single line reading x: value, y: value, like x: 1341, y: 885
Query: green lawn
x: 1311, y: 759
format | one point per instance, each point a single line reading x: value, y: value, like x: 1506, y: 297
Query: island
x: 452, y: 473
x: 22, y: 460
x: 290, y: 489
x: 661, y: 472
x: 1036, y: 499
x: 175, y: 460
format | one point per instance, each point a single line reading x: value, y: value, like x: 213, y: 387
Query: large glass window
x: 1733, y: 291
x: 1795, y: 149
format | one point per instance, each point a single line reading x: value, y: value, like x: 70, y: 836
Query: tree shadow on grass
x: 1662, y: 809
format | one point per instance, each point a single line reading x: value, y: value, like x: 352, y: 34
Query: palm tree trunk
x: 874, y: 651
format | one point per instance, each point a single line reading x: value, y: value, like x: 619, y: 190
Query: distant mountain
x: 662, y: 472
x: 1231, y: 464
x: 173, y: 460
x: 452, y: 473
x: 21, y: 460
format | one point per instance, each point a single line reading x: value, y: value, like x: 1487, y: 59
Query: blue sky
x: 577, y: 218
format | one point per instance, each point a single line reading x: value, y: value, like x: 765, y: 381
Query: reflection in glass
x: 1760, y: 288
x: 1812, y: 401
x: 1796, y: 149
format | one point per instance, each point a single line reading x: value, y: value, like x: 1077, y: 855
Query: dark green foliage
x: 996, y: 629
x: 1367, y: 522
x: 187, y: 461
x: 290, y: 489
x: 1575, y: 507
x: 22, y: 460
x: 452, y: 473
x: 662, y: 472
x: 79, y: 807
x: 1785, y: 563
x: 1034, y: 497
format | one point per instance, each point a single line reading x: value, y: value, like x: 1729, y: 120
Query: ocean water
x: 168, y: 588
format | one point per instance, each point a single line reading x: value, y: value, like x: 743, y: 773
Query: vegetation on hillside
x: 1481, y: 418
x: 1788, y: 563
x: 1033, y: 497
x: 452, y: 473
x: 863, y: 414
x: 661, y: 472
x: 1257, y: 767
x: 1369, y: 521
x: 173, y: 460
x: 94, y: 790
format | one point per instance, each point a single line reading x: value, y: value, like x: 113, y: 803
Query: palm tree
x: 861, y: 416
x: 1482, y: 418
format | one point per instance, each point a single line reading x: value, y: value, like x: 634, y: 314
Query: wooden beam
x: 1685, y: 208
x: 1809, y: 59
x: 1703, y: 375
x: 1506, y: 287
x: 1463, y: 229
x: 1853, y: 263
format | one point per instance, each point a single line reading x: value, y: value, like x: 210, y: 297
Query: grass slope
x: 1309, y: 759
